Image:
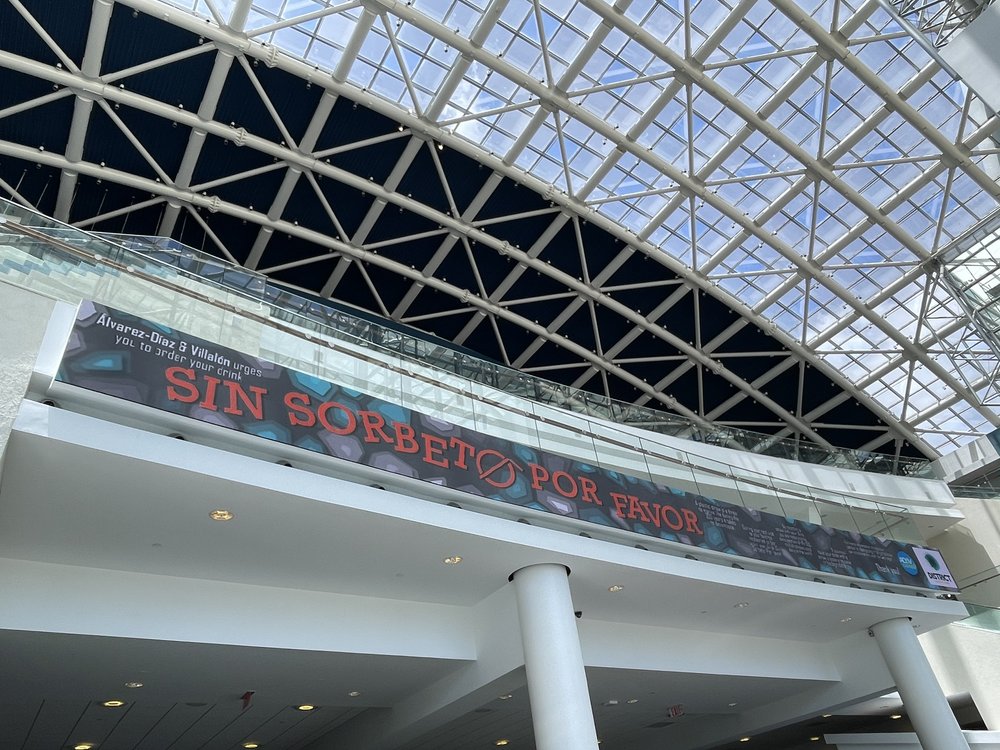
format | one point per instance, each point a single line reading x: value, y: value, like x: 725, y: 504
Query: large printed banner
x: 130, y: 358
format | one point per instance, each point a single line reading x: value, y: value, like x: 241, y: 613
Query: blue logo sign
x: 906, y: 563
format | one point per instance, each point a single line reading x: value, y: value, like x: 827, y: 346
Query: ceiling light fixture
x: 113, y: 703
x: 453, y: 560
x: 501, y: 742
x: 847, y: 619
x: 741, y: 605
x: 133, y: 684
x: 250, y: 745
x: 354, y: 694
x: 616, y: 588
x: 734, y: 704
x: 814, y: 739
x: 632, y: 700
x: 505, y: 697
x: 827, y: 716
x: 896, y: 716
x: 83, y: 746
x: 744, y: 739
x: 221, y: 514
x: 306, y: 707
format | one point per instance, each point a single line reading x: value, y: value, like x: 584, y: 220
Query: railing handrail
x: 495, y: 375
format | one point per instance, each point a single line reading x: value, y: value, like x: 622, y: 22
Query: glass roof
x: 807, y: 170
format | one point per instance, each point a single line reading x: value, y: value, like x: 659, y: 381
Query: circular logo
x: 906, y: 563
x: 932, y: 561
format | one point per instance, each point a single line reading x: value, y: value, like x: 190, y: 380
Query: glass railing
x: 164, y: 258
x: 982, y: 618
x: 314, y: 315
x: 437, y: 381
x: 976, y: 493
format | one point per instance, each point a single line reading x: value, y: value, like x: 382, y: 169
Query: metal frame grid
x: 802, y: 162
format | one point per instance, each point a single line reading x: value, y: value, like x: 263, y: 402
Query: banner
x: 131, y: 358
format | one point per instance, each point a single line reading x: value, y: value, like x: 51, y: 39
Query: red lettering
x: 374, y: 424
x: 329, y: 426
x: 256, y: 407
x: 619, y: 500
x: 560, y: 478
x: 539, y: 474
x: 184, y: 391
x: 433, y: 450
x: 672, y: 518
x: 465, y: 450
x: 298, y: 413
x: 692, y: 521
x: 209, y: 401
x: 588, y: 488
x: 635, y: 510
x: 405, y: 438
x: 502, y: 473
x: 653, y: 513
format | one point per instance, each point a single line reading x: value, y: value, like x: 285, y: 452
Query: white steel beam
x: 97, y: 35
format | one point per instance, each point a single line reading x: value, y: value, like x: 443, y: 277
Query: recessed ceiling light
x: 250, y: 745
x: 744, y: 739
x: 453, y: 560
x: 611, y: 702
x: 733, y: 704
x: 847, y: 619
x: 113, y: 703
x: 354, y: 694
x: 741, y: 605
x: 221, y: 514
x: 306, y: 707
x: 501, y: 742
x: 83, y: 746
x: 814, y: 739
x: 616, y: 588
x: 896, y: 716
x: 632, y: 700
x: 505, y: 697
x: 827, y: 716
x: 133, y: 684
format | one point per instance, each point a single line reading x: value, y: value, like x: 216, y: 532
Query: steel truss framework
x: 800, y: 164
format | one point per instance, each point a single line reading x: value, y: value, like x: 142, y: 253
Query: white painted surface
x: 972, y: 53
x: 557, y: 683
x: 923, y: 698
x: 968, y: 660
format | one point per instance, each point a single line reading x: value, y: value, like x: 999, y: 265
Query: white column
x: 557, y: 685
x: 926, y: 705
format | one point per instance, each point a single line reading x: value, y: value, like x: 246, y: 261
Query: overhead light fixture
x: 83, y: 746
x: 250, y: 745
x: 611, y: 702
x: 354, y: 694
x: 741, y: 605
x: 827, y: 716
x: 306, y: 707
x: 733, y: 704
x: 896, y: 716
x: 744, y: 739
x: 113, y: 703
x: 616, y: 588
x: 453, y: 560
x: 221, y: 514
x: 505, y: 697
x: 133, y: 684
x: 847, y: 619
x: 632, y: 700
x: 814, y: 739
x: 501, y: 742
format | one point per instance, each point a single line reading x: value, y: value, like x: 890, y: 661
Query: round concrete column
x: 557, y: 685
x: 925, y: 702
